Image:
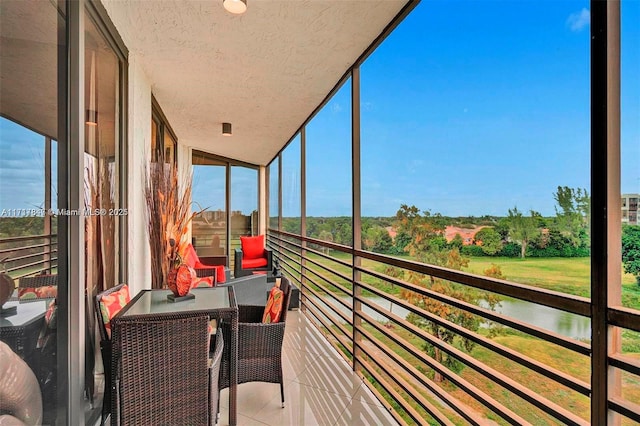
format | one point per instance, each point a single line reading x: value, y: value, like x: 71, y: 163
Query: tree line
x: 517, y: 234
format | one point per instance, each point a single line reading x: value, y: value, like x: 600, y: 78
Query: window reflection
x: 29, y: 130
x: 102, y: 198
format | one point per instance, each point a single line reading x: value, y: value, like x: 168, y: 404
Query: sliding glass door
x: 225, y: 200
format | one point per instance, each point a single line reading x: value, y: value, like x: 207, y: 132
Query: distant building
x: 467, y: 234
x: 630, y: 208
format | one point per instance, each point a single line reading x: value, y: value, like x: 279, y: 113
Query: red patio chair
x: 252, y: 257
x: 217, y: 271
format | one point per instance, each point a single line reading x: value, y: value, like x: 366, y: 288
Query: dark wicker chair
x: 262, y: 263
x: 105, y: 350
x: 37, y: 282
x: 214, y: 376
x: 163, y: 373
x: 259, y: 345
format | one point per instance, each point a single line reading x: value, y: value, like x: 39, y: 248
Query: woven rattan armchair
x: 216, y: 271
x: 259, y: 344
x: 105, y: 350
x: 252, y: 257
x: 214, y: 376
x: 163, y: 373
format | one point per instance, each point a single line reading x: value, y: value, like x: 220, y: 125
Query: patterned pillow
x: 50, y: 323
x: 47, y: 291
x: 27, y: 293
x: 273, y: 309
x: 51, y: 317
x: 32, y: 293
x: 111, y: 304
x: 202, y: 282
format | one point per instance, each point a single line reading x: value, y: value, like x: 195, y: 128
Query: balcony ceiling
x: 264, y: 71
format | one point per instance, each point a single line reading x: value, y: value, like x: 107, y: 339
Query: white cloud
x: 336, y: 107
x: 367, y: 106
x: 579, y: 20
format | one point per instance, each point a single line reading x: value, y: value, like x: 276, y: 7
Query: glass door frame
x: 229, y: 163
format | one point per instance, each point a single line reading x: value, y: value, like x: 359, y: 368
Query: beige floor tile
x: 247, y: 421
x: 296, y: 362
x: 251, y: 398
x: 320, y: 387
x: 365, y: 395
x: 358, y: 413
x: 331, y: 374
x: 305, y: 405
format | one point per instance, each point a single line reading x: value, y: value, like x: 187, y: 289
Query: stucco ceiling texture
x: 264, y: 71
x: 28, y: 57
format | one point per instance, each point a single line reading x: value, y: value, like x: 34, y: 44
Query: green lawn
x: 567, y: 275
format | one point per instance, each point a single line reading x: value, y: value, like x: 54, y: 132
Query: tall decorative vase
x: 171, y: 280
x: 179, y: 280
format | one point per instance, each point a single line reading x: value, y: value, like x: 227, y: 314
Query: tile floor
x: 320, y: 387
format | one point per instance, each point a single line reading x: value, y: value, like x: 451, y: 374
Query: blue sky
x: 468, y: 108
x: 473, y: 107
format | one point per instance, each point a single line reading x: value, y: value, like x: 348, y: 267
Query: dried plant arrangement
x: 168, y: 201
x: 99, y: 228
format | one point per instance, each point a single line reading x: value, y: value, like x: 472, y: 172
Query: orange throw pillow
x: 273, y: 309
x: 111, y: 304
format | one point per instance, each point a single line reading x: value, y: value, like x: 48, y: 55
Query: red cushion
x: 273, y: 309
x: 199, y: 265
x: 220, y: 275
x: 190, y: 257
x: 254, y: 263
x: 252, y: 247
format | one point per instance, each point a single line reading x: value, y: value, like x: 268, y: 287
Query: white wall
x: 139, y: 151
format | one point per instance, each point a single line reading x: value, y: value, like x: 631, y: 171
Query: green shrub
x: 472, y: 250
x: 510, y: 250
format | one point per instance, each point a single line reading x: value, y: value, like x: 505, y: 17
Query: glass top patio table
x: 217, y: 302
x: 149, y: 302
x: 20, y: 330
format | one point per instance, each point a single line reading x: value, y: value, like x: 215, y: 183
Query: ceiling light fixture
x: 235, y: 6
x: 226, y: 129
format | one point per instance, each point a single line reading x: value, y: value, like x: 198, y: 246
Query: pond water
x: 565, y: 323
x: 551, y: 319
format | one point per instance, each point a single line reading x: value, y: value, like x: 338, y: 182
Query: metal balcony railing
x: 29, y: 255
x: 350, y: 305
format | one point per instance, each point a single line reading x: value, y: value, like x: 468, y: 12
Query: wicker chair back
x: 105, y: 351
x: 214, y: 376
x: 163, y: 372
x: 259, y: 344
